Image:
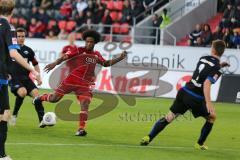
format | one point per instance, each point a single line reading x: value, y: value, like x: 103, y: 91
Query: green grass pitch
x: 116, y: 135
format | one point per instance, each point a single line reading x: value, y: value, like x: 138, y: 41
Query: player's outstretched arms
x: 15, y: 55
x: 50, y: 66
x: 114, y: 61
x: 224, y: 64
x: 207, y: 94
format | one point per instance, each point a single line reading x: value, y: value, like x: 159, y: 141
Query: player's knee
x: 170, y: 117
x: 55, y: 98
x: 84, y: 104
x: 22, y: 92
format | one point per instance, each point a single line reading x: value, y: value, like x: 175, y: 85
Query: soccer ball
x: 50, y: 118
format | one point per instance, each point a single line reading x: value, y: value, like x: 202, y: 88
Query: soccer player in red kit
x: 81, y: 75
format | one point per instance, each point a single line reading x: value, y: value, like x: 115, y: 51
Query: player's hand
x: 35, y: 74
x: 49, y: 67
x: 224, y: 64
x: 123, y: 55
x: 210, y: 108
x: 39, y: 82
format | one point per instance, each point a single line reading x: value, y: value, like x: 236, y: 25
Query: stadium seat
x: 22, y: 21
x: 118, y: 5
x: 119, y: 16
x: 107, y: 38
x: 50, y: 24
x: 70, y: 26
x: 116, y: 28
x: 124, y: 28
x: 62, y: 24
x: 114, y: 15
x: 14, y: 20
x: 127, y: 39
x: 110, y: 5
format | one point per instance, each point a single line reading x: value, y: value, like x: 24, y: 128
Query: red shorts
x: 81, y: 89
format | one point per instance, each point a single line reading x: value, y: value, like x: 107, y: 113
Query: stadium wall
x: 229, y: 89
x: 179, y: 62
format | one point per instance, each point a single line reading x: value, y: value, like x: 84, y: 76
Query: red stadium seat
x: 127, y: 39
x: 50, y: 24
x: 70, y: 26
x: 114, y: 15
x: 14, y: 20
x: 124, y: 28
x: 116, y: 28
x: 118, y: 5
x: 22, y: 21
x: 62, y: 24
x: 119, y: 16
x: 110, y: 5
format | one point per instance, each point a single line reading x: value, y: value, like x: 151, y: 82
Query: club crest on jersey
x: 90, y: 60
x: 26, y: 52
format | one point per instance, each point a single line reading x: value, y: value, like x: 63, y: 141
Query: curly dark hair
x: 91, y: 33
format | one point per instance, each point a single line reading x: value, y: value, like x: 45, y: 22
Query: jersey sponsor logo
x: 26, y: 52
x: 196, y: 84
x: 207, y: 62
x: 90, y: 60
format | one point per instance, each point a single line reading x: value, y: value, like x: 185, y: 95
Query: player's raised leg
x: 51, y: 97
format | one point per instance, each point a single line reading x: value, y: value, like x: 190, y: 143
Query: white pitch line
x: 116, y: 145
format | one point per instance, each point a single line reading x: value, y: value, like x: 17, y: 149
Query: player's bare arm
x: 114, y: 61
x: 15, y: 55
x: 50, y: 66
x: 39, y: 81
x: 224, y: 64
x: 207, y: 92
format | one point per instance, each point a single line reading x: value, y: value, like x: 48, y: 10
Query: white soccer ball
x: 50, y: 118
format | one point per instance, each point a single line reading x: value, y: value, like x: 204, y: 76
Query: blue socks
x: 158, y: 127
x: 206, y: 129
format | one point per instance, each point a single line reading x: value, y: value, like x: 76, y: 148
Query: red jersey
x: 70, y: 48
x: 82, y: 70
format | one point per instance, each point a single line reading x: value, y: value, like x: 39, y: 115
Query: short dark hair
x: 219, y: 46
x: 21, y: 30
x: 6, y: 7
x: 91, y: 33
